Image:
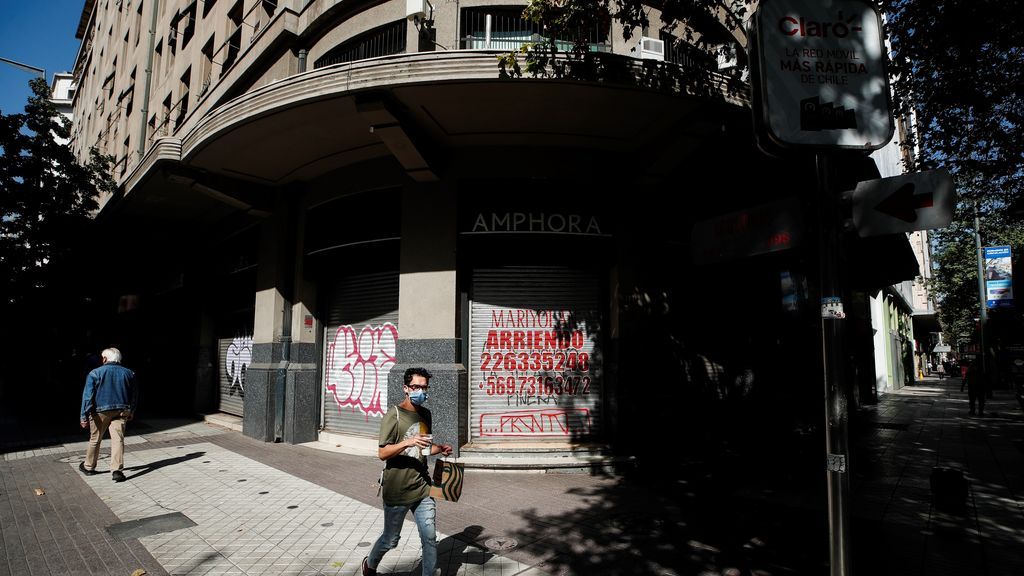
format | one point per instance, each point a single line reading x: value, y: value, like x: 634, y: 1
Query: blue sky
x: 39, y: 33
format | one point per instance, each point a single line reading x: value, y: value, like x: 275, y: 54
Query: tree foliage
x: 958, y: 67
x: 46, y: 196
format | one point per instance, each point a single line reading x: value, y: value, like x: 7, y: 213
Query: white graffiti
x: 237, y: 361
x: 357, y: 367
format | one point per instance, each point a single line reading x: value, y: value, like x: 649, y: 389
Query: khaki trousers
x: 112, y: 420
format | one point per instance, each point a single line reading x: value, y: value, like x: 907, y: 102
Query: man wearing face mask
x: 405, y: 442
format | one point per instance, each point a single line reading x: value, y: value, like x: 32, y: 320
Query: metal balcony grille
x: 505, y: 29
x: 383, y: 41
x: 681, y: 53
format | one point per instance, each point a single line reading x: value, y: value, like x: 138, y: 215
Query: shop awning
x: 880, y: 261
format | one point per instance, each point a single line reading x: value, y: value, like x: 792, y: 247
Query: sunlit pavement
x: 201, y: 499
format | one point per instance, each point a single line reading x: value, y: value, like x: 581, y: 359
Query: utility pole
x: 832, y: 291
x: 983, y: 305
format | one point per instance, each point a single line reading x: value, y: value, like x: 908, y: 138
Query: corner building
x: 315, y: 195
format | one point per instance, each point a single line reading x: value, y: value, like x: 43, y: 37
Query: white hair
x: 111, y: 355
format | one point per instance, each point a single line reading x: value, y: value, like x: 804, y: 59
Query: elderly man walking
x: 108, y: 401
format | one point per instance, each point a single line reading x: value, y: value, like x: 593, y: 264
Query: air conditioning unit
x: 415, y: 9
x: 651, y: 48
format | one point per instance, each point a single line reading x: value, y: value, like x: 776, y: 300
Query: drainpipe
x: 149, y: 79
x: 302, y: 60
x: 281, y: 377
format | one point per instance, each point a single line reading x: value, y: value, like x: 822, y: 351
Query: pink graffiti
x: 556, y: 422
x: 358, y: 365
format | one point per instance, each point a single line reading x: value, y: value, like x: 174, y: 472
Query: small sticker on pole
x: 832, y: 308
x: 837, y: 463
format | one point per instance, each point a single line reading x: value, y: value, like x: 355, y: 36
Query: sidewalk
x: 201, y: 499
x: 897, y: 529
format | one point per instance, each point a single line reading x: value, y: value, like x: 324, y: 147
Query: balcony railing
x: 508, y: 31
x: 383, y: 41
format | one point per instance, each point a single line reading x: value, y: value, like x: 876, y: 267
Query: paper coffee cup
x: 426, y: 449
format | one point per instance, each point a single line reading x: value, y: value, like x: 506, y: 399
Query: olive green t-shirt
x: 406, y: 479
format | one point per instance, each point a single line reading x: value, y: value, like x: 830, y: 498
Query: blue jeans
x: 425, y: 513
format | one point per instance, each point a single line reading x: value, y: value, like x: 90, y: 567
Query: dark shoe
x: 86, y: 471
x: 367, y: 571
x: 118, y: 476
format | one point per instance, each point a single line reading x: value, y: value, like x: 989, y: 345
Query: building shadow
x: 707, y: 518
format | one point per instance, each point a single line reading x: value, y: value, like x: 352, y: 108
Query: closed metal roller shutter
x: 535, y: 366
x: 359, y: 351
x: 234, y: 356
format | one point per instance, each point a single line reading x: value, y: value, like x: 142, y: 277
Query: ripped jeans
x: 424, y: 512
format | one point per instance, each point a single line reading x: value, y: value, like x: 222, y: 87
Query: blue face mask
x: 418, y: 397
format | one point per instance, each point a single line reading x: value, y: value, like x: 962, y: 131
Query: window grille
x: 382, y: 41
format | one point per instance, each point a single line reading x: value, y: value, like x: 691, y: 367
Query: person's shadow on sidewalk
x: 459, y: 549
x: 147, y: 468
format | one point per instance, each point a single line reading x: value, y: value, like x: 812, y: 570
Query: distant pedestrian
x: 975, y: 380
x: 108, y: 401
x: 405, y: 440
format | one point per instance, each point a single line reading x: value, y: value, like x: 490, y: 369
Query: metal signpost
x: 820, y: 85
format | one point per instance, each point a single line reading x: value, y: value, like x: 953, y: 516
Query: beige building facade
x: 315, y: 195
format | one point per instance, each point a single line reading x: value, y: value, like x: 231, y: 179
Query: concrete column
x: 428, y: 301
x: 282, y: 400
x: 263, y: 392
x: 302, y: 389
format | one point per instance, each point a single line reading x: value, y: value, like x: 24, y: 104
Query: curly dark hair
x: 416, y: 372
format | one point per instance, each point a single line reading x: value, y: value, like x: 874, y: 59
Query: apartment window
x: 234, y: 33
x: 206, y: 73
x: 107, y: 128
x: 158, y: 58
x: 124, y: 47
x: 263, y: 16
x: 138, y: 24
x: 108, y: 88
x: 190, y: 25
x: 382, y: 41
x: 129, y: 95
x: 124, y: 157
x: 151, y: 128
x: 127, y: 100
x: 166, y: 113
x: 186, y: 80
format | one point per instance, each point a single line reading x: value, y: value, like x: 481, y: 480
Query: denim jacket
x: 109, y: 387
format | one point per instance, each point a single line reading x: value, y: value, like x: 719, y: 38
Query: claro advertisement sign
x: 820, y: 73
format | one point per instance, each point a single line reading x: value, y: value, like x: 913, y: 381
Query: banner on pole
x: 998, y: 277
